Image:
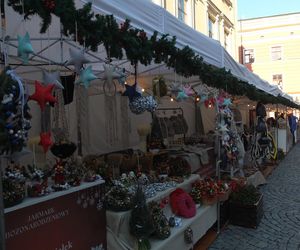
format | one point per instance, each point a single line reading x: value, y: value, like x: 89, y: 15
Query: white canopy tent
x: 51, y: 47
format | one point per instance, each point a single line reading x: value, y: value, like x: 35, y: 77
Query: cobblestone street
x: 280, y: 226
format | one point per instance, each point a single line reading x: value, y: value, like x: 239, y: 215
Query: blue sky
x: 259, y: 8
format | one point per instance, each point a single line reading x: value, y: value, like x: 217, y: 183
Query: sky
x: 259, y: 8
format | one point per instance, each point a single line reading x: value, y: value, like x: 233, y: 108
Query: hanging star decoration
x: 52, y: 78
x: 175, y: 87
x: 223, y: 128
x: 220, y: 100
x: 181, y: 96
x: 24, y: 47
x: 131, y: 92
x: 43, y: 94
x: 188, y: 90
x: 203, y: 98
x: 86, y: 76
x: 209, y: 102
x: 45, y: 141
x: 227, y: 102
x: 77, y: 59
x: 111, y: 72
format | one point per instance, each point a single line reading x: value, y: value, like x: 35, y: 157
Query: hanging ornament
x: 68, y: 91
x: 52, y: 78
x: 181, y: 96
x: 24, y: 47
x: 151, y: 104
x: 138, y: 105
x: 86, y: 76
x: 45, y: 140
x: 42, y: 94
x: 203, y: 98
x: 131, y: 92
x: 188, y: 90
x: 111, y: 72
x: 227, y: 102
x: 220, y: 100
x: 209, y: 102
x: 77, y: 59
x: 223, y: 128
x: 14, y: 113
x: 174, y: 88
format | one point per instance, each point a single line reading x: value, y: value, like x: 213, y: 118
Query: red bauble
x: 43, y: 94
x: 45, y: 140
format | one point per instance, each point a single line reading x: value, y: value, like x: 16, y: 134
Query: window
x: 181, y: 10
x: 248, y: 56
x: 277, y: 80
x: 276, y: 53
x: 211, y: 27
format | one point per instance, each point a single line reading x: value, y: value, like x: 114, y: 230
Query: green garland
x: 94, y: 30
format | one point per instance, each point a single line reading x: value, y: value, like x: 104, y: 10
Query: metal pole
x: 2, y: 224
x: 218, y: 168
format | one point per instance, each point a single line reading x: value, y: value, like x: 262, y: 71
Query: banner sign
x: 73, y: 221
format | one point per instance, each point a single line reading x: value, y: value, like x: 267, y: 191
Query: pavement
x: 280, y: 225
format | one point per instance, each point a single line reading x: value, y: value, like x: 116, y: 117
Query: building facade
x: 214, y: 18
x: 270, y: 47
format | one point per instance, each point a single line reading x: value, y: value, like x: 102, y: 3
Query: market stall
x: 142, y: 117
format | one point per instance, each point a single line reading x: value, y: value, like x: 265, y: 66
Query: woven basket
x: 209, y: 201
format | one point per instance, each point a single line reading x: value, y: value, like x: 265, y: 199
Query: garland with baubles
x: 14, y: 113
x: 94, y: 30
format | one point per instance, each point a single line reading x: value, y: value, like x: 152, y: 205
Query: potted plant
x: 246, y: 206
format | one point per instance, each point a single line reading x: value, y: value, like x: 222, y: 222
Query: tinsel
x: 94, y: 30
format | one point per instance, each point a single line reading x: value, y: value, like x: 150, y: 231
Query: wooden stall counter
x: 70, y: 219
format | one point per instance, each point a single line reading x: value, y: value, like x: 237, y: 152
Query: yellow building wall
x: 200, y: 15
x: 197, y: 17
x: 262, y: 39
x: 170, y: 6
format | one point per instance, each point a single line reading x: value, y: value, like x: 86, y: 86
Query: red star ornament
x: 43, y: 94
x: 45, y: 140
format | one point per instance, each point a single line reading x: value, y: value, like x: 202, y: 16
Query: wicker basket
x: 207, y: 201
x: 224, y: 196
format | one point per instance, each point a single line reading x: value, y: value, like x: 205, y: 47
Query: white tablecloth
x: 119, y: 237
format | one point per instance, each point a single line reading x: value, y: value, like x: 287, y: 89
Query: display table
x: 118, y: 232
x: 70, y: 219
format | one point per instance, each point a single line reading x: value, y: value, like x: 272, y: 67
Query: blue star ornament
x: 181, y: 96
x: 227, y: 102
x: 86, y: 76
x: 24, y: 47
x: 203, y: 98
x: 131, y: 92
